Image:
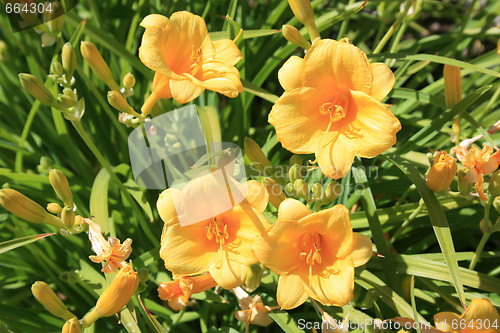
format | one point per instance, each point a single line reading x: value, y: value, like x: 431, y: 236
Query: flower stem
x: 479, y: 249
x: 393, y: 28
x: 408, y: 221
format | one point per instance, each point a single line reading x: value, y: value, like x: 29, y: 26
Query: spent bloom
x: 186, y: 60
x: 314, y: 254
x: 480, y: 163
x: 442, y: 172
x: 110, y: 251
x: 221, y: 244
x: 480, y: 317
x: 253, y: 310
x: 331, y: 106
x: 179, y: 291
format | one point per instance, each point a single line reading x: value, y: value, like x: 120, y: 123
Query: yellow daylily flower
x: 442, y: 172
x: 109, y: 250
x: 480, y: 163
x: 331, y: 106
x: 314, y: 254
x: 219, y: 244
x: 179, y: 291
x: 480, y: 317
x: 186, y: 60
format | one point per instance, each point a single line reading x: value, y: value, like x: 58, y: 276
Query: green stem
x: 392, y: 29
x: 408, y: 221
x: 105, y: 164
x: 479, y: 249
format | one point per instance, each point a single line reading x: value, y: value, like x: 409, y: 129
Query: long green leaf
x: 99, y: 200
x: 15, y: 243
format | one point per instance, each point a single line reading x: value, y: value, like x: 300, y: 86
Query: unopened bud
x: 128, y: 81
x: 442, y: 172
x: 72, y: 326
x: 68, y: 57
x: 120, y: 103
x: 496, y: 203
x: 65, y: 102
x: 303, y: 11
x: 56, y: 68
x: 276, y: 195
x: 96, y: 62
x: 54, y: 208
x: 290, y: 190
x: 115, y: 296
x: 464, y: 186
x: 301, y: 188
x: 485, y: 225
x: 256, y: 155
x: 50, y: 301
x: 317, y: 191
x: 36, y: 89
x: 296, y: 159
x: 294, y: 36
x: 494, y: 185
x: 295, y: 172
x: 61, y: 186
x: 22, y: 206
x: 332, y: 191
x: 254, y: 275
x: 68, y: 217
x: 452, y: 85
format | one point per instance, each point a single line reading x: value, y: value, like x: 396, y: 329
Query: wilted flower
x: 480, y: 163
x: 109, y: 250
x: 253, y: 310
x: 314, y: 254
x: 442, y: 172
x: 220, y: 243
x: 331, y: 106
x: 186, y: 60
x: 480, y: 317
x: 179, y: 291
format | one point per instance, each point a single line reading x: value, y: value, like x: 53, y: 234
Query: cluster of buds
x: 61, y: 73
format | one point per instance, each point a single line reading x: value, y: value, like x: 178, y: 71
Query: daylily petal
x: 228, y: 273
x: 292, y: 210
x: 257, y: 195
x: 166, y: 206
x: 383, y: 80
x: 184, y: 91
x: 299, y: 125
x: 161, y: 89
x: 289, y: 74
x: 335, y: 288
x: 361, y: 250
x: 374, y: 129
x: 443, y: 321
x: 480, y: 311
x: 291, y: 292
x: 335, y: 159
x: 340, y: 66
x: 226, y: 51
x: 220, y: 78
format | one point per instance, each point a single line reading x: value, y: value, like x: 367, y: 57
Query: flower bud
x: 295, y: 172
x: 68, y: 217
x: 61, y: 186
x: 293, y: 35
x: 254, y: 275
x: 54, y: 208
x: 485, y: 225
x: 289, y: 189
x: 452, y: 85
x: 36, y: 89
x: 100, y: 68
x: 65, y: 102
x: 494, y: 184
x: 115, y: 296
x: 120, y: 103
x: 303, y: 11
x: 56, y: 68
x: 496, y: 204
x: 464, y: 186
x: 128, y: 81
x: 296, y: 159
x: 442, y: 172
x: 256, y: 155
x: 317, y: 191
x: 25, y: 208
x: 301, y: 188
x: 72, y: 326
x: 68, y: 57
x: 332, y: 191
x: 276, y: 195
x: 3, y: 49
x: 50, y: 301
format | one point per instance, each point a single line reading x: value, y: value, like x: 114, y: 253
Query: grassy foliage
x: 436, y: 244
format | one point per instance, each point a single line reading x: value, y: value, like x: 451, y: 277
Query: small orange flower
x: 186, y: 60
x: 331, y: 106
x: 480, y: 317
x: 479, y: 163
x: 109, y: 250
x: 314, y: 254
x: 179, y: 291
x: 442, y: 172
x: 219, y: 244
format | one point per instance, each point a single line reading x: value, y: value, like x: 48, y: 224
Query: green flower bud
x: 295, y: 159
x: 332, y: 191
x: 68, y: 217
x: 317, y: 191
x: 464, y: 186
x: 56, y: 68
x: 68, y: 57
x: 496, y: 203
x: 494, y: 184
x: 128, y: 81
x: 294, y: 36
x: 301, y: 188
x: 36, y: 89
x: 54, y: 208
x: 50, y: 301
x: 254, y: 275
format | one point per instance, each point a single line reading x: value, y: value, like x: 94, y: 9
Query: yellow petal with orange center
x: 299, y: 125
x: 338, y: 66
x: 291, y: 291
x: 184, y: 91
x: 383, y: 80
x: 361, y: 250
x: 374, y: 129
x: 221, y: 78
x: 290, y: 74
x: 336, y: 285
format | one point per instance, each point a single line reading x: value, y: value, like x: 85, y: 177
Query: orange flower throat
x: 311, y: 248
x: 336, y: 108
x: 217, y: 229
